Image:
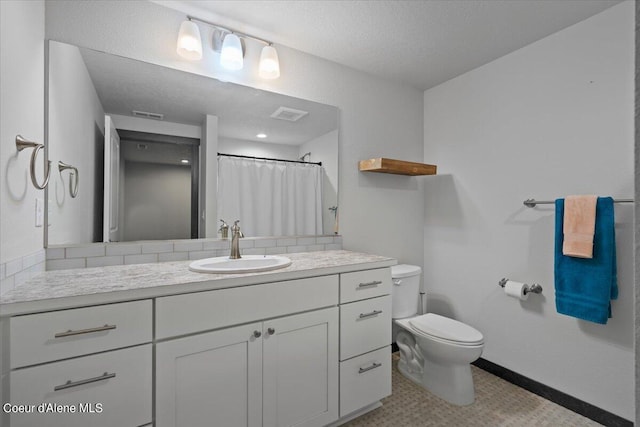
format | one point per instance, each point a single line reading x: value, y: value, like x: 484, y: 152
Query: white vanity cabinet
x: 365, y: 338
x: 79, y: 367
x: 300, y: 377
x: 307, y: 348
x: 282, y: 371
x: 209, y: 379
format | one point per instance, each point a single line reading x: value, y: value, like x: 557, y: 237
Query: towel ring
x: 21, y: 144
x: 73, y: 189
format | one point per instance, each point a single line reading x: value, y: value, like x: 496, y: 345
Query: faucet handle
x: 236, y: 229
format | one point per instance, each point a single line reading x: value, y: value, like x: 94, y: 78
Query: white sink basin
x: 246, y: 264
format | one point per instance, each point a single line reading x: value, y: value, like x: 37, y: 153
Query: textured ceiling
x: 124, y: 85
x: 421, y: 43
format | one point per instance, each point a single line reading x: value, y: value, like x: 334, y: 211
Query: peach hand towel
x: 579, y: 226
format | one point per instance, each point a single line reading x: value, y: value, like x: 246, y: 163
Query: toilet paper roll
x: 516, y: 290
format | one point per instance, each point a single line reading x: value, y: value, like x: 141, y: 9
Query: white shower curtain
x: 270, y: 198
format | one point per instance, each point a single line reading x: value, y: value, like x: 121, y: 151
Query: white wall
x: 325, y: 149
x: 637, y: 217
x: 378, y: 213
x: 209, y: 178
x: 551, y: 119
x: 140, y: 124
x: 241, y: 147
x: 21, y: 112
x: 76, y: 137
x: 157, y: 202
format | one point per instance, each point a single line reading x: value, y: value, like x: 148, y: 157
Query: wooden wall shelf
x: 398, y: 167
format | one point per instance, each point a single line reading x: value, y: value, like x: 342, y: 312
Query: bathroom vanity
x: 157, y: 344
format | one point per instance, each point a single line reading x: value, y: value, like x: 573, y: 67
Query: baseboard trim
x: 576, y: 405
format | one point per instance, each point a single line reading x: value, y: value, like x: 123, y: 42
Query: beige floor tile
x: 498, y: 403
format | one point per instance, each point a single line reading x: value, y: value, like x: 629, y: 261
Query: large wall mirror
x: 165, y: 154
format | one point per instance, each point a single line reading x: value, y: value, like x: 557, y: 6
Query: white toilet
x: 435, y: 351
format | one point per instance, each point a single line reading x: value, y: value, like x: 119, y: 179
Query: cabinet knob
x: 271, y: 331
x: 257, y: 334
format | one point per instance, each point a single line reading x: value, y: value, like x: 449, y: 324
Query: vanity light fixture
x: 231, y: 53
x: 230, y: 45
x: 269, y: 63
x: 189, y: 41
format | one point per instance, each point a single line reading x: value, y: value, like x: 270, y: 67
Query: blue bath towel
x: 585, y: 287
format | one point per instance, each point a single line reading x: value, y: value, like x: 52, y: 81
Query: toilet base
x: 451, y: 383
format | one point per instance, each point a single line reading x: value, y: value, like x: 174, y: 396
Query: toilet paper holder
x: 534, y: 289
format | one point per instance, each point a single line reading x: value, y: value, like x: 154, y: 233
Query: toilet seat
x: 444, y: 329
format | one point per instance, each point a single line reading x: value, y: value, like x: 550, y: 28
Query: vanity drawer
x: 202, y: 311
x: 364, y: 284
x: 45, y: 337
x: 120, y: 381
x: 364, y: 326
x: 364, y: 380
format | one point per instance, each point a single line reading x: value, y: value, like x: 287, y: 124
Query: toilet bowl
x: 435, y: 351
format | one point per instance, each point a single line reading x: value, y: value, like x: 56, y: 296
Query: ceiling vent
x: 289, y: 114
x: 147, y: 115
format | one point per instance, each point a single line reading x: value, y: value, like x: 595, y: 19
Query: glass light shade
x: 269, y: 63
x: 231, y: 54
x: 189, y: 42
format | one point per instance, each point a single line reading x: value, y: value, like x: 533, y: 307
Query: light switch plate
x: 39, y: 212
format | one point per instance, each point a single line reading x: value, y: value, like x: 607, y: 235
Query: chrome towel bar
x: 531, y: 203
x: 21, y: 144
x: 73, y: 177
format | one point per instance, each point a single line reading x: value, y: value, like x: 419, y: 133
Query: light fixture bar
x: 220, y: 27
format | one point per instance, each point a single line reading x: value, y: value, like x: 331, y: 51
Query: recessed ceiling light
x: 184, y: 161
x: 261, y: 135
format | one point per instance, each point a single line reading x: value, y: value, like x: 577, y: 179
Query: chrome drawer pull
x: 70, y: 383
x: 374, y: 283
x: 373, y: 313
x: 84, y: 331
x: 368, y: 368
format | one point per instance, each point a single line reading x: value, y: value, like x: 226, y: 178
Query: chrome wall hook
x: 21, y: 144
x: 74, y: 176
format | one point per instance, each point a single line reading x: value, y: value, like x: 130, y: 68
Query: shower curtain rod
x: 531, y: 203
x: 268, y: 158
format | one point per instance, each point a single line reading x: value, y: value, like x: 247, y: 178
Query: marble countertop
x: 54, y: 290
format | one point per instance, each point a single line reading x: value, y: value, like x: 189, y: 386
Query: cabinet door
x: 212, y: 379
x: 301, y: 369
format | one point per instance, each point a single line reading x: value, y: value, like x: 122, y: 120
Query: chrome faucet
x: 224, y: 230
x: 236, y: 234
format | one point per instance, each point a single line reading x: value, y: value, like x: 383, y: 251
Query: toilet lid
x: 446, y: 329
x: 404, y: 270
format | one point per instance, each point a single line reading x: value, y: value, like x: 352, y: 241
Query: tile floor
x: 498, y: 403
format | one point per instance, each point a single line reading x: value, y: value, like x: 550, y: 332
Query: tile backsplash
x: 15, y: 272
x: 100, y: 255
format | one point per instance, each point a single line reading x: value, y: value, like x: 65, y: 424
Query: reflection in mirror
x: 152, y: 143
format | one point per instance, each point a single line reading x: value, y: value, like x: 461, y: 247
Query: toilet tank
x: 405, y: 291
